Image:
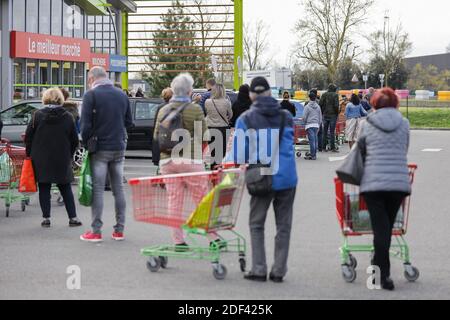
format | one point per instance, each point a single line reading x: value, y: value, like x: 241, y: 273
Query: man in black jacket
x: 329, y: 103
x: 106, y: 115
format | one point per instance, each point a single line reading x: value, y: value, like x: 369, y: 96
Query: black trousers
x: 66, y: 193
x: 383, y: 208
x: 216, y: 157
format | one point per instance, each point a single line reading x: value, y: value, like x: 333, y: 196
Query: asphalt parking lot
x: 34, y: 261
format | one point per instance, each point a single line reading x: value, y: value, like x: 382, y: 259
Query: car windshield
x: 20, y: 114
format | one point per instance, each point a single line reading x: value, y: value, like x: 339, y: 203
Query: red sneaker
x: 91, y: 237
x: 118, y: 236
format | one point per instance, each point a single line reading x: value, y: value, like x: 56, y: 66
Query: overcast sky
x: 427, y: 22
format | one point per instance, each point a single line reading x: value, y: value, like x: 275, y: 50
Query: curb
x: 430, y: 129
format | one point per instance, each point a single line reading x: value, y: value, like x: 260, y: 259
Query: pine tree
x: 169, y: 43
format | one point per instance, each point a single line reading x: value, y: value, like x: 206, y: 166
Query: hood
x: 267, y: 106
x: 53, y: 114
x: 313, y: 104
x: 386, y: 119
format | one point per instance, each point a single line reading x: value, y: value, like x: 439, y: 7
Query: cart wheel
x: 348, y: 273
x: 164, y: 261
x: 298, y: 154
x: 242, y: 264
x: 153, y: 264
x: 7, y: 210
x: 353, y: 261
x: 411, y: 273
x: 27, y: 202
x: 219, y: 271
x: 60, y: 201
x: 23, y: 205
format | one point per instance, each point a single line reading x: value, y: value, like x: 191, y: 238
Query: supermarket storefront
x: 46, y: 43
x: 42, y: 61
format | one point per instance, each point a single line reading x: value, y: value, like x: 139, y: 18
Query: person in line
x: 51, y: 140
x: 320, y: 131
x: 286, y: 104
x: 364, y: 102
x: 210, y: 84
x: 312, y: 117
x: 106, y: 115
x: 371, y: 92
x: 329, y: 102
x: 266, y: 115
x: 242, y: 104
x: 166, y: 95
x: 218, y: 117
x: 353, y: 114
x: 182, y: 87
x: 385, y: 182
x: 139, y: 93
x: 71, y: 107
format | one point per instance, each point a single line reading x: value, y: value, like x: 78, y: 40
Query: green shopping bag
x: 85, y: 184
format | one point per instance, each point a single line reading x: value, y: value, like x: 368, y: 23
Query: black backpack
x: 169, y: 123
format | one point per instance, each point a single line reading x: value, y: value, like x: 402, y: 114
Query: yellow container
x: 301, y: 95
x: 444, y: 95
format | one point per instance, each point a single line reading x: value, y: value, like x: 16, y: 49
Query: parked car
x: 16, y: 118
x: 140, y: 137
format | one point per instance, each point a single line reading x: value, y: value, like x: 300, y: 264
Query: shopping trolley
x: 340, y: 132
x: 300, y: 138
x: 11, y: 162
x: 354, y: 220
x: 202, y: 204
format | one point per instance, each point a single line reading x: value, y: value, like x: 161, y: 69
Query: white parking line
x: 334, y: 159
x: 432, y: 150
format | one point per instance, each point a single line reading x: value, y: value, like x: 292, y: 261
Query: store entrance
x: 32, y: 77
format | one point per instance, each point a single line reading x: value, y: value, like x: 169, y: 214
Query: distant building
x: 440, y: 61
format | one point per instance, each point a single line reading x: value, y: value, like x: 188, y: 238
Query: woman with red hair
x: 385, y: 183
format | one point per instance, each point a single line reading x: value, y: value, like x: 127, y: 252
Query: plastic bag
x: 5, y: 168
x: 27, y: 179
x: 85, y: 184
x: 204, y: 211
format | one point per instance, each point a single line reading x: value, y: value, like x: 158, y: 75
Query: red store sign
x: 99, y: 60
x: 39, y: 46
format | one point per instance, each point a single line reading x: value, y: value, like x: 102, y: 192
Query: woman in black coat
x: 242, y: 104
x: 51, y: 140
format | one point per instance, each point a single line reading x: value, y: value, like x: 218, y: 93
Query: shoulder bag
x: 352, y: 170
x: 259, y: 185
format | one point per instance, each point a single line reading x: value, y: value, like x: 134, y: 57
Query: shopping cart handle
x: 412, y: 166
x: 5, y: 141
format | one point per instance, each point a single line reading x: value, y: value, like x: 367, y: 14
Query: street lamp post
x: 365, y: 79
x: 382, y: 76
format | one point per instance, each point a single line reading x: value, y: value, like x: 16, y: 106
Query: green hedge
x: 428, y: 118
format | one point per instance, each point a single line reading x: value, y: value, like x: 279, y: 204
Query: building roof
x: 441, y: 61
x: 124, y: 5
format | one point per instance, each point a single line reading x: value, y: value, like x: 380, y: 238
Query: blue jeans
x: 329, y: 130
x: 313, y: 141
x: 102, y: 164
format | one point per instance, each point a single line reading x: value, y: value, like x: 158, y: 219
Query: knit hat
x: 259, y: 85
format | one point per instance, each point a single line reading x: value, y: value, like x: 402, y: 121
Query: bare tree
x: 326, y: 31
x: 392, y: 46
x: 256, y: 46
x: 205, y: 17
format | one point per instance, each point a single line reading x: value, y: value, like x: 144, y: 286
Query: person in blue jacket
x: 268, y: 120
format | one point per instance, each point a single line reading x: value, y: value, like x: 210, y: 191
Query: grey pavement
x: 33, y: 261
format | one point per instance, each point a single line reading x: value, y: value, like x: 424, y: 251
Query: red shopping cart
x: 354, y: 221
x: 300, y: 139
x: 202, y: 204
x: 340, y: 131
x: 11, y: 162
